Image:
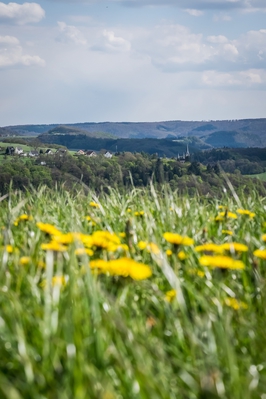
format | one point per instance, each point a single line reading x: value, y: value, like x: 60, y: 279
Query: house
x: 90, y: 154
x: 80, y: 152
x: 10, y: 150
x: 18, y: 151
x: 48, y: 151
x: 33, y: 153
x: 108, y: 154
x: 61, y: 152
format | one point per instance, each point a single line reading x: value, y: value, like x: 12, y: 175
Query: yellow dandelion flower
x: 142, y: 245
x: 83, y: 251
x: 48, y: 228
x: 223, y: 215
x: 200, y: 273
x: 122, y: 267
x: 235, y: 304
x: 246, y: 212
x: 221, y: 207
x: 9, y: 249
x: 88, y: 218
x: 170, y: 295
x: 23, y: 217
x: 209, y: 247
x: 260, y: 253
x: 58, y: 280
x: 181, y: 255
x: 98, y: 264
x: 177, y: 239
x: 41, y: 264
x: 153, y: 248
x: 227, y: 232
x: 24, y: 260
x: 234, y: 247
x: 94, y: 205
x: 122, y: 235
x: 140, y: 213
x: 220, y: 261
x: 263, y: 237
x: 169, y: 252
x: 54, y: 246
x: 105, y: 240
x: 129, y: 210
x: 63, y: 238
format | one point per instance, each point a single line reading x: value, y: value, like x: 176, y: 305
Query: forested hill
x: 231, y: 133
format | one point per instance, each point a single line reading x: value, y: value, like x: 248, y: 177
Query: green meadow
x: 140, y: 295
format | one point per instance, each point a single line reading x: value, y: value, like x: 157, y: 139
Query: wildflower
x: 181, y: 255
x: 23, y: 217
x: 153, y: 248
x: 9, y: 249
x: 263, y: 237
x: 197, y: 272
x: 142, y: 245
x: 41, y: 264
x: 209, y: 247
x: 177, y: 239
x: 63, y: 238
x: 260, y: 253
x: 224, y: 215
x: 88, y: 218
x: 128, y: 210
x: 48, y: 228
x: 246, y: 212
x: 54, y: 246
x: 169, y: 252
x: 140, y: 213
x: 224, y: 262
x: 24, y: 260
x: 234, y: 247
x: 56, y: 281
x: 105, y: 240
x: 228, y: 232
x: 94, y: 205
x: 83, y: 251
x: 122, y: 235
x: 235, y: 304
x: 170, y: 295
x: 122, y: 267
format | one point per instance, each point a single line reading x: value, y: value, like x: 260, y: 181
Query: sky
x: 69, y: 61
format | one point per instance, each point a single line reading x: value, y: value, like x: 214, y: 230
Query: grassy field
x: 261, y: 176
x: 119, y: 297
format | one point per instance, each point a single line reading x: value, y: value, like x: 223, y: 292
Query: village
x: 34, y: 153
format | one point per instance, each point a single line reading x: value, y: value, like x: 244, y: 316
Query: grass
x: 107, y: 336
x: 261, y: 176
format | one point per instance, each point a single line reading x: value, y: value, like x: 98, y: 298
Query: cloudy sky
x: 66, y: 61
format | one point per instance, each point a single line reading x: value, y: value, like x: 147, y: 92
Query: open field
x: 98, y: 302
x: 261, y: 176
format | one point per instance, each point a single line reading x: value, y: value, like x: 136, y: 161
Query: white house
x: 108, y: 154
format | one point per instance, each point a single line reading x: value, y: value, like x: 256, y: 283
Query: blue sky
x: 64, y: 61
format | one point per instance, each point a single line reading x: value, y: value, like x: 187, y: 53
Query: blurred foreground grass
x: 74, y: 328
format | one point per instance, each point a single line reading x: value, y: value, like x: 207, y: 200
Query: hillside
x: 233, y: 133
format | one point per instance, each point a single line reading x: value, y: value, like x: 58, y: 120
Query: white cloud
x: 11, y: 54
x: 217, y: 39
x: 249, y: 78
x: 70, y: 33
x: 21, y: 13
x: 115, y: 42
x: 193, y: 12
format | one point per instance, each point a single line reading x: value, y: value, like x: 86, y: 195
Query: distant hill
x: 230, y: 133
x: 71, y: 130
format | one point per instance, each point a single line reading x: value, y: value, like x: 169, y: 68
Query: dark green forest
x: 121, y: 171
